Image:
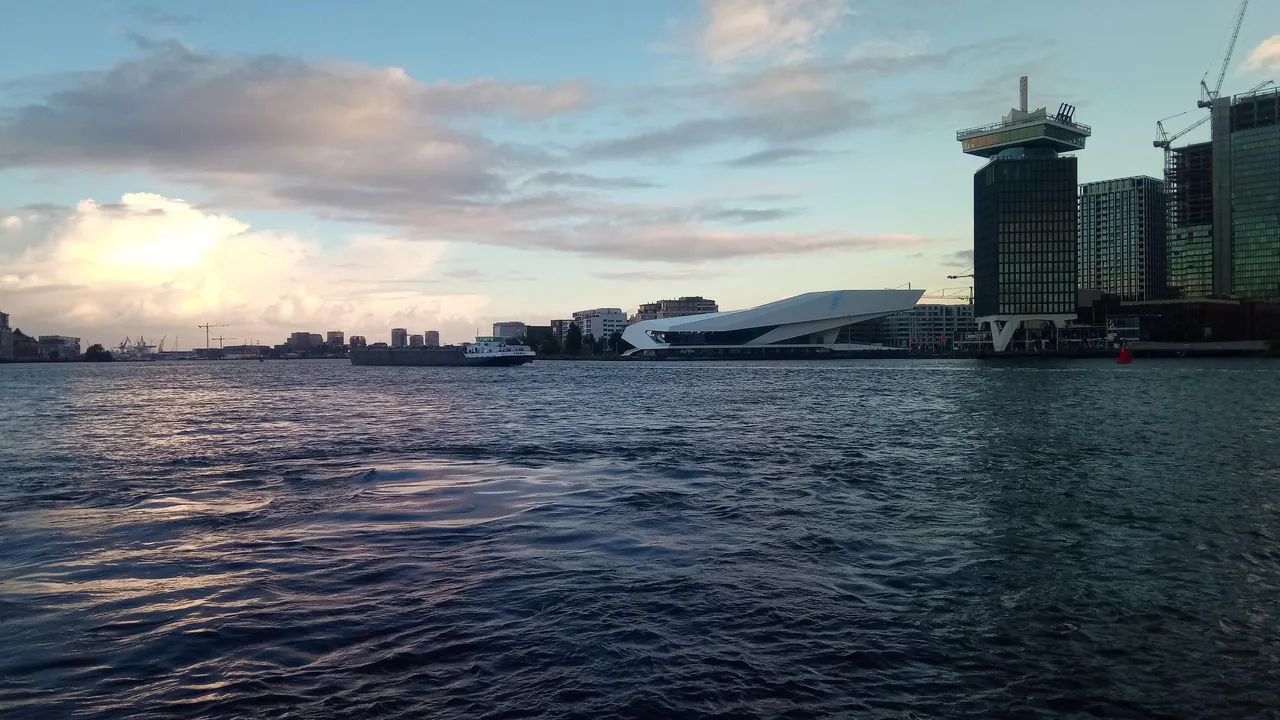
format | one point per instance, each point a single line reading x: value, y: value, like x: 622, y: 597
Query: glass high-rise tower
x: 1025, y: 218
x: 1121, y: 249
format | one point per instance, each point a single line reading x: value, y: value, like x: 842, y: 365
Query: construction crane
x: 220, y: 340
x: 956, y: 293
x: 1166, y: 140
x: 966, y: 274
x: 1207, y: 96
x: 206, y: 327
x: 160, y: 347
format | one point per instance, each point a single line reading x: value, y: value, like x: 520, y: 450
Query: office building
x: 316, y: 340
x: 1121, y: 244
x: 301, y: 342
x: 432, y: 339
x: 506, y: 330
x: 59, y: 347
x: 415, y: 341
x: 358, y: 341
x: 1188, y: 175
x: 680, y: 307
x: 1255, y: 195
x: 335, y: 338
x: 808, y: 325
x: 399, y: 337
x: 600, y: 323
x: 1224, y: 238
x: 560, y: 329
x: 1025, y: 217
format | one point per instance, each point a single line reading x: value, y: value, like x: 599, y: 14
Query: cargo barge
x: 484, y: 352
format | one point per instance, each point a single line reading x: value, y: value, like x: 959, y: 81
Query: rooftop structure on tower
x: 1023, y: 130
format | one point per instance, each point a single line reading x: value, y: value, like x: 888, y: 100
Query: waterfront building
x: 507, y: 330
x: 1025, y: 219
x: 358, y: 341
x: 1188, y: 175
x: 680, y: 307
x: 335, y: 338
x: 1254, y: 139
x: 300, y: 342
x: 807, y: 325
x: 1224, y: 238
x: 6, y: 338
x: 245, y: 352
x: 399, y: 337
x: 600, y: 323
x: 560, y: 329
x: 938, y: 327
x: 316, y: 340
x: 415, y: 341
x: 59, y: 347
x: 1121, y: 244
x: 432, y: 339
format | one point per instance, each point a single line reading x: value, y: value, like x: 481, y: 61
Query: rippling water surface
x: 892, y: 539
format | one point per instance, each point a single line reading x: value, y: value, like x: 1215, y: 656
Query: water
x: 862, y: 539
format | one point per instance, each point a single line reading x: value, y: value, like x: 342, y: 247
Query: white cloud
x: 157, y: 265
x: 1265, y: 57
x: 739, y: 30
x: 12, y: 222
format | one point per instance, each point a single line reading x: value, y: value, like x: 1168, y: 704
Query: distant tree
x: 598, y: 345
x: 589, y: 344
x: 617, y: 344
x: 97, y: 353
x: 550, y: 346
x: 573, y: 340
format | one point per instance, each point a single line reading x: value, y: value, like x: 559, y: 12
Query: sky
x: 430, y: 164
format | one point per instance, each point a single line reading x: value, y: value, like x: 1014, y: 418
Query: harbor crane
x: 1207, y: 96
x: 206, y: 327
x: 220, y: 340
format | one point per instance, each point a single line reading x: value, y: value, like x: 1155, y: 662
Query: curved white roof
x: 793, y: 317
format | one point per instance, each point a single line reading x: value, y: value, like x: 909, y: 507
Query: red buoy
x: 1125, y: 356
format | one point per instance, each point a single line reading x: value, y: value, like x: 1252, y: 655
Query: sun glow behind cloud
x: 152, y: 264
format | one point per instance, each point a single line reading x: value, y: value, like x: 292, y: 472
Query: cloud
x: 741, y: 30
x: 156, y: 265
x: 558, y: 178
x: 1265, y: 57
x: 349, y: 142
x: 959, y: 258
x: 772, y: 156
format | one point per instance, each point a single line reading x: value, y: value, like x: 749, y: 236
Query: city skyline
x: 442, y: 166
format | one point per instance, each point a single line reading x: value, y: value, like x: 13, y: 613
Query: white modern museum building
x: 816, y: 323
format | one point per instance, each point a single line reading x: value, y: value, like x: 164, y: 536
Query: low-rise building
x: 358, y: 341
x: 680, y: 307
x: 509, y: 329
x: 536, y: 335
x: 600, y: 323
x: 59, y: 347
x: 415, y: 341
x: 335, y: 338
x: 928, y: 326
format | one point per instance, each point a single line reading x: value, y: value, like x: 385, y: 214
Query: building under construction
x: 1188, y: 173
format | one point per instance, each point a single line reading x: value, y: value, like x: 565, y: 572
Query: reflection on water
x: 932, y: 539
